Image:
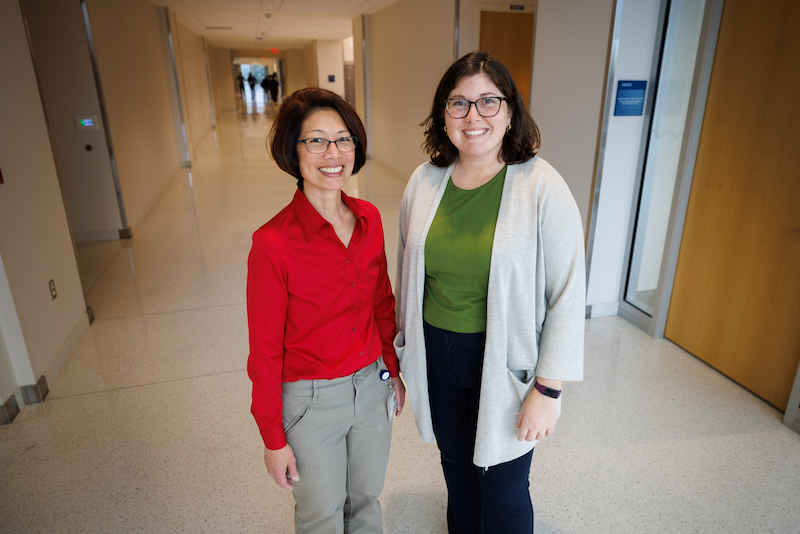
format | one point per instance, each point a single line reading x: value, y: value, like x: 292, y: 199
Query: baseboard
x: 9, y: 410
x: 36, y: 393
x: 103, y: 235
x: 602, y: 310
x: 61, y: 358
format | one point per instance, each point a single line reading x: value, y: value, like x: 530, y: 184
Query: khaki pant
x: 340, y: 432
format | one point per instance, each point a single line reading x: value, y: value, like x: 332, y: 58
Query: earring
x: 445, y: 129
x: 508, y: 128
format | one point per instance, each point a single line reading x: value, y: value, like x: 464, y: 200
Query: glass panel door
x: 673, y: 87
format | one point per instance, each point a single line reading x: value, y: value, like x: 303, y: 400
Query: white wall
x: 15, y: 363
x: 347, y: 49
x: 403, y: 78
x: 569, y: 71
x: 35, y: 243
x: 8, y: 382
x: 330, y: 62
x: 569, y: 68
x: 623, y: 144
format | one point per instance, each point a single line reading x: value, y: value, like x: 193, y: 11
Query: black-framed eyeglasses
x: 488, y: 106
x: 317, y: 145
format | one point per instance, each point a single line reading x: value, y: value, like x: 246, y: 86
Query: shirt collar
x: 311, y: 221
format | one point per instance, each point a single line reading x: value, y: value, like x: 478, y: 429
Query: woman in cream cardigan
x: 491, y: 289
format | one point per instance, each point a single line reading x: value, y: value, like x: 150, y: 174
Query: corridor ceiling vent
x: 219, y: 28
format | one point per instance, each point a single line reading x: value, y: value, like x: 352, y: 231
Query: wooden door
x: 736, y: 299
x: 509, y: 37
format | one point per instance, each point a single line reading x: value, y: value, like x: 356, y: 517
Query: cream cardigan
x: 535, y: 304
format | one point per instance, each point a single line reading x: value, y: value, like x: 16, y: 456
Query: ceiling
x: 278, y: 23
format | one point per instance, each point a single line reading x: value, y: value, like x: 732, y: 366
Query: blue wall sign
x: 630, y: 98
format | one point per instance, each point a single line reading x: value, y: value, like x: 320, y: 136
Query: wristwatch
x: 544, y: 390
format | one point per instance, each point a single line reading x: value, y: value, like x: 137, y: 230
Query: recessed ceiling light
x: 219, y: 28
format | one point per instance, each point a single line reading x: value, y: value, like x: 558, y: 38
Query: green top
x: 458, y: 251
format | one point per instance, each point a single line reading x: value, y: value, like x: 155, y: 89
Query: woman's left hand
x: 537, y: 418
x: 400, y: 392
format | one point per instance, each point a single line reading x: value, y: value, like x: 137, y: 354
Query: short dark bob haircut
x: 519, y: 144
x: 285, y: 132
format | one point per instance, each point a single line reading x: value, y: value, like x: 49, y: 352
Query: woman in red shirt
x: 321, y: 318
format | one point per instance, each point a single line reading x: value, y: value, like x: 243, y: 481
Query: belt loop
x: 313, y: 391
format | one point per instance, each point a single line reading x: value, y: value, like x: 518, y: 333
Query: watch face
x: 551, y: 392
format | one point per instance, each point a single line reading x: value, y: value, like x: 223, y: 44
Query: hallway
x: 148, y: 428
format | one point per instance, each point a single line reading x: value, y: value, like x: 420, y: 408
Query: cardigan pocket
x: 524, y: 387
x: 399, y: 344
x: 522, y: 381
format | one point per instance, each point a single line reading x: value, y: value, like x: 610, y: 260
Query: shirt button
x: 354, y: 329
x: 353, y: 284
x: 362, y: 352
x: 347, y: 260
x: 354, y: 308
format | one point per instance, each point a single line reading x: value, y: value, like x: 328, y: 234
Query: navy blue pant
x: 494, y: 500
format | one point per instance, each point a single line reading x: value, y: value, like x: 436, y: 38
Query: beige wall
x: 358, y: 62
x: 404, y: 79
x: 35, y: 243
x: 295, y: 71
x: 134, y: 77
x: 193, y: 80
x: 569, y: 68
x: 68, y: 88
x: 220, y: 64
x: 330, y: 61
x: 310, y: 65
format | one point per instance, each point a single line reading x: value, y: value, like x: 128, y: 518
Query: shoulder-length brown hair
x: 285, y: 132
x: 519, y: 144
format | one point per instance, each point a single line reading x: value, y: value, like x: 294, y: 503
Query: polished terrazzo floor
x: 148, y: 429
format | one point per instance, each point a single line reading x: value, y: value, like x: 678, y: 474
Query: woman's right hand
x: 282, y: 466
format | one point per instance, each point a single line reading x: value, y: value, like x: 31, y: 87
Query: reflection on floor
x: 148, y: 427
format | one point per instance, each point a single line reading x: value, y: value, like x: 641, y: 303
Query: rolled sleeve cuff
x: 274, y: 439
x: 392, y: 365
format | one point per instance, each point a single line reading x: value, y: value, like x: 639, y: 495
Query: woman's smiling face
x: 474, y: 136
x: 330, y: 170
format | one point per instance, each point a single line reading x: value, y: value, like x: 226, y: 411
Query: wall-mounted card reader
x: 86, y: 122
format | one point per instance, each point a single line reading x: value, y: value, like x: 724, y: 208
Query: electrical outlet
x: 53, y: 290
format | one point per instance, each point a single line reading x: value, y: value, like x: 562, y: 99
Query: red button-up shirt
x: 316, y: 309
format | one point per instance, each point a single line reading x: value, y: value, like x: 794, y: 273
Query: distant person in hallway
x: 251, y: 81
x: 321, y: 318
x: 490, y: 280
x: 274, y: 84
x: 240, y: 80
x: 265, y: 86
